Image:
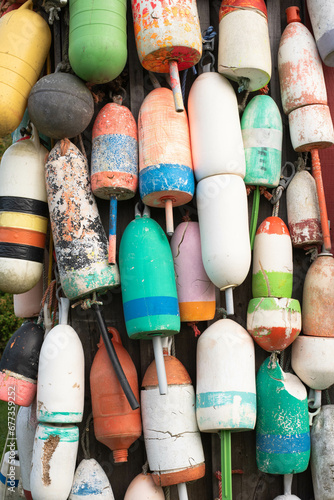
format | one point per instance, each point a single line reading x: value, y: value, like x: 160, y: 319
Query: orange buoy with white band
x: 166, y: 177
x: 168, y: 38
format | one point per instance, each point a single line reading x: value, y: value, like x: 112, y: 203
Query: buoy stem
x: 226, y: 468
x: 229, y: 301
x: 112, y: 230
x: 287, y: 483
x: 182, y: 491
x: 160, y: 364
x: 176, y: 86
x: 63, y: 310
x: 316, y: 171
x: 114, y: 358
x: 169, y: 217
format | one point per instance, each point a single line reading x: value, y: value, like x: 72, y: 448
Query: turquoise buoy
x: 282, y: 427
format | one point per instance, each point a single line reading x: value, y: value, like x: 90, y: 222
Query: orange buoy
x: 116, y: 425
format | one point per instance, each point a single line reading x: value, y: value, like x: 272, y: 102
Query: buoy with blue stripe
x: 262, y: 133
x: 143, y: 486
x: 244, y: 48
x: 19, y: 365
x: 166, y: 177
x: 149, y: 293
x: 23, y: 215
x: 321, y: 14
x: 53, y: 461
x: 225, y: 394
x: 196, y: 293
x: 91, y: 482
x: 178, y: 457
x: 282, y: 426
x: 10, y: 476
x: 26, y: 424
x: 60, y: 382
x: 114, y: 161
x: 322, y: 456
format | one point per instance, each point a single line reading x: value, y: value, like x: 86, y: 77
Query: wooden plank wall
x: 248, y: 482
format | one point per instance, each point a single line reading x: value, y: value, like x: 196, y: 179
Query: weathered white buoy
x: 60, y: 381
x: 321, y: 14
x: 311, y: 127
x: 303, y: 211
x: 28, y: 304
x: 322, y: 456
x: 223, y: 221
x: 91, y: 482
x: 10, y: 476
x: 53, y: 461
x: 143, y: 487
x: 216, y: 141
x: 26, y: 423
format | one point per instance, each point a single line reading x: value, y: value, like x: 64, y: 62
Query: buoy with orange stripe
x: 114, y: 161
x: 91, y: 482
x: 26, y: 424
x: 116, y: 425
x: 244, y: 49
x: 178, y: 457
x: 23, y: 215
x: 196, y: 293
x: 19, y: 365
x: 321, y: 14
x: 168, y: 39
x: 143, y: 486
x: 166, y: 177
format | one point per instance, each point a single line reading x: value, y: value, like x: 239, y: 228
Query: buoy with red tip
x: 321, y: 14
x: 166, y: 177
x: 178, y: 457
x: 272, y: 260
x: 222, y: 207
x: 196, y: 293
x: 143, y: 486
x: 304, y: 99
x: 149, y: 293
x: 53, y: 461
x: 19, y: 365
x: 244, y: 48
x: 91, y: 482
x: 225, y: 395
x: 60, y: 381
x: 303, y: 211
x: 322, y: 456
x: 26, y: 423
x: 116, y: 425
x: 114, y: 162
x: 168, y: 39
x: 23, y: 214
x: 216, y: 140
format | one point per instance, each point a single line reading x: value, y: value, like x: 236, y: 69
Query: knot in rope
x: 87, y: 303
x: 265, y: 192
x: 193, y: 325
x: 264, y: 90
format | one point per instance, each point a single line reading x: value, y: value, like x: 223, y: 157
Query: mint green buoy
x: 97, y: 39
x: 149, y: 293
x: 282, y: 427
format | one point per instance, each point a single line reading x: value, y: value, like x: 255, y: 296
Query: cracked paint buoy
x: 282, y: 425
x: 19, y: 365
x: 80, y: 241
x: 303, y: 211
x: 23, y: 215
x: 166, y: 177
x: 53, y: 461
x: 196, y: 293
x: 222, y: 207
x: 60, y: 381
x: 244, y: 49
x: 116, y: 425
x: 172, y: 438
x: 143, y: 487
x: 274, y: 323
x: 21, y: 63
x: 321, y: 14
x: 262, y: 133
x: 114, y: 161
x: 318, y: 297
x: 216, y: 140
x: 91, y: 482
x: 26, y: 423
x: 322, y: 456
x: 272, y: 260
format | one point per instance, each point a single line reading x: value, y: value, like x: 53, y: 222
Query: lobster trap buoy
x: 321, y: 14
x: 19, y: 365
x: 91, y: 482
x: 26, y: 424
x: 143, y: 486
x: 60, y: 105
x: 322, y: 456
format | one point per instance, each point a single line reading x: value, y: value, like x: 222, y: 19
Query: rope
x: 327, y: 396
x: 173, y: 347
x: 218, y: 475
x: 167, y: 492
x: 82, y: 147
x: 242, y: 105
x: 87, y: 303
x: 264, y: 90
x: 50, y: 298
x: 145, y: 468
x: 85, y: 437
x: 64, y: 145
x: 183, y: 84
x: 313, y: 251
x: 193, y: 325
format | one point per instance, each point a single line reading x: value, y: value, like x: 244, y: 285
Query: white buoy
x: 322, y: 456
x: 311, y: 127
x: 10, y: 476
x: 321, y: 14
x: 91, y: 482
x: 142, y: 486
x: 26, y: 423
